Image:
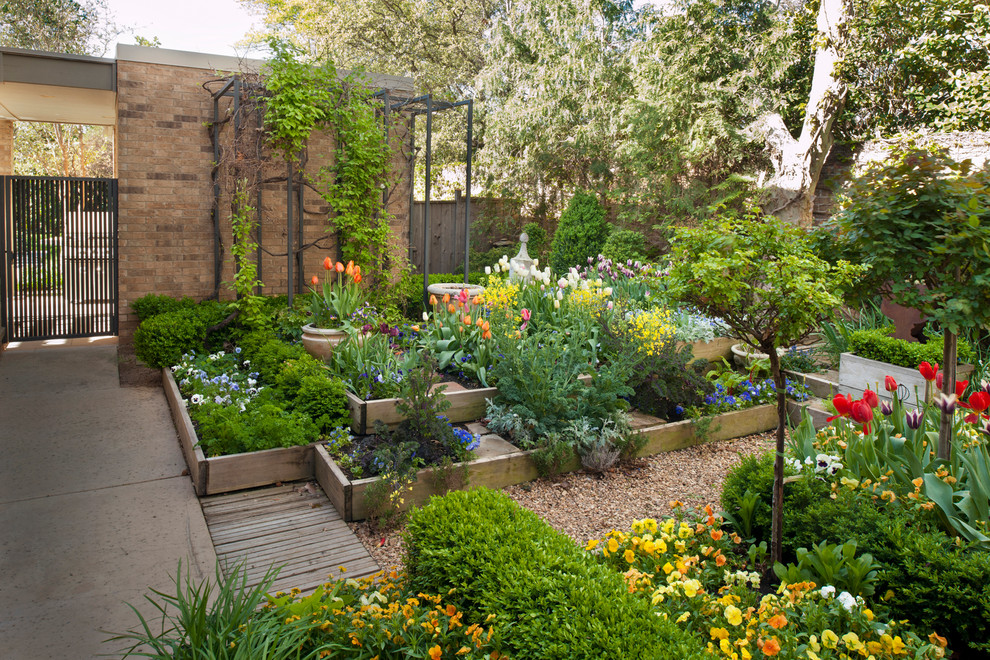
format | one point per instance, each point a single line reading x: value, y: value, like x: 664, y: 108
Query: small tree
x: 760, y: 275
x: 921, y: 221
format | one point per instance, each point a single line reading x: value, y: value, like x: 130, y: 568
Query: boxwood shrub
x: 879, y: 345
x: 153, y: 304
x: 161, y: 339
x: 549, y: 598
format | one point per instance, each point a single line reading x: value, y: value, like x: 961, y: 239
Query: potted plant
x: 331, y: 307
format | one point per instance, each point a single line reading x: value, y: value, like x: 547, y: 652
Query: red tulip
x: 978, y: 401
x: 842, y: 403
x: 928, y: 371
x: 871, y: 399
x: 890, y: 384
x: 961, y: 385
x: 357, y: 278
x: 862, y: 413
x: 327, y: 264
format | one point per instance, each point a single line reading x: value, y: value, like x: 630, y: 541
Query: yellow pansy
x: 592, y: 544
x: 733, y: 615
x: 613, y: 545
x: 829, y: 639
x: 630, y: 556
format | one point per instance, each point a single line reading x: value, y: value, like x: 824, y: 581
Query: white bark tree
x: 790, y: 192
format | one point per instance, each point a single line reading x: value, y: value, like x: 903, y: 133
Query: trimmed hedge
x: 581, y: 233
x: 878, y: 345
x: 152, y: 305
x: 550, y: 598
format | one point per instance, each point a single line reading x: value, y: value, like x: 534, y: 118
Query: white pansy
x: 197, y: 399
x: 828, y: 591
x: 847, y: 600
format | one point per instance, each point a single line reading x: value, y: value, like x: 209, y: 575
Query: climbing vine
x: 302, y: 97
x: 245, y: 268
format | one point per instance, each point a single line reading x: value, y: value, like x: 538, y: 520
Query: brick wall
x: 6, y: 146
x: 164, y: 157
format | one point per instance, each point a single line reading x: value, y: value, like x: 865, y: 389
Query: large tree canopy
x: 648, y: 105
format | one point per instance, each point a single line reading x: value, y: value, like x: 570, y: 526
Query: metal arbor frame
x: 410, y: 106
x: 427, y: 105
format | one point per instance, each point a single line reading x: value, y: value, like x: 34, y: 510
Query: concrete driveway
x: 94, y: 508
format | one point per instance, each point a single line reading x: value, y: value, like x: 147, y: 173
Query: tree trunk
x: 948, y: 387
x: 790, y: 193
x: 777, y: 527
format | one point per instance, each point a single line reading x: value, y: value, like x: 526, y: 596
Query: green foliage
x: 269, y: 356
x: 249, y: 305
x: 581, y: 233
x: 322, y: 399
x: 161, y: 340
x: 919, y: 63
x: 499, y: 559
x: 201, y: 621
x: 754, y: 474
x: 922, y: 217
x: 537, y: 244
x: 759, y: 275
x: 263, y: 424
x: 832, y: 564
x: 538, y: 383
x: 624, y: 245
x: 879, y: 345
x: 302, y: 97
x: 153, y: 304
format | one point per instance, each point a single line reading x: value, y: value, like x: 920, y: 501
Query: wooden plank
x: 333, y: 482
x: 302, y: 565
x: 285, y: 551
x: 713, y: 351
x: 260, y: 468
x: 818, y: 386
x: 261, y: 508
x: 195, y: 459
x: 287, y: 538
x: 244, y: 496
x: 265, y: 526
x: 358, y: 412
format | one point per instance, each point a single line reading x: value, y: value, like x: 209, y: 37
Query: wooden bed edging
x: 518, y: 467
x: 222, y: 474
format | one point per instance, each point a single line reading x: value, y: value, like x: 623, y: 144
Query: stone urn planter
x: 319, y: 342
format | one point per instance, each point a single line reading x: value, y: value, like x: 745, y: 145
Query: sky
x: 203, y: 26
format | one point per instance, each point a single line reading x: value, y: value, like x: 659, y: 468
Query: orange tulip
x: 451, y: 308
x: 315, y: 280
x: 446, y: 298
x: 479, y: 322
x: 476, y: 301
x: 485, y: 326
x: 486, y: 334
x: 357, y: 271
x: 460, y: 305
x: 327, y: 264
x: 414, y: 328
x: 350, y: 268
x: 433, y: 300
x: 357, y: 278
x: 339, y: 267
x: 466, y: 320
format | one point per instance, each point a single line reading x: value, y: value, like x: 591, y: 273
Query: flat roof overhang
x: 55, y: 87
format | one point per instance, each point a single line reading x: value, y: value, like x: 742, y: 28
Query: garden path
x: 94, y: 505
x: 293, y: 526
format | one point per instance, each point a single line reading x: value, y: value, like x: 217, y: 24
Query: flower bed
x: 514, y: 467
x: 221, y: 474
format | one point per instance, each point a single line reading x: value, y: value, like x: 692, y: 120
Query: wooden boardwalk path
x: 294, y: 526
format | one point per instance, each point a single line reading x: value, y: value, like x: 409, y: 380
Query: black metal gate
x: 58, y: 252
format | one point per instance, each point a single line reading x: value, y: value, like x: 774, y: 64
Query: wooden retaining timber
x: 294, y: 527
x: 518, y: 467
x: 465, y: 406
x: 222, y: 474
x: 713, y: 351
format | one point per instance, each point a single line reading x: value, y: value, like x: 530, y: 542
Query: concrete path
x: 94, y: 508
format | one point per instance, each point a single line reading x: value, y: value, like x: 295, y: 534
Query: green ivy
x: 246, y: 279
x: 304, y: 97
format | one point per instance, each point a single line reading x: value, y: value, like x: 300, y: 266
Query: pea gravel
x: 586, y: 506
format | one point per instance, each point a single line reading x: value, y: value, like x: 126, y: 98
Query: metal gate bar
x: 58, y: 250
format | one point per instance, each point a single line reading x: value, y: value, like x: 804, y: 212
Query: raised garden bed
x: 465, y: 406
x: 856, y: 373
x: 515, y: 466
x: 222, y: 474
x: 714, y: 350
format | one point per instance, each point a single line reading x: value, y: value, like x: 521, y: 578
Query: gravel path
x: 586, y: 506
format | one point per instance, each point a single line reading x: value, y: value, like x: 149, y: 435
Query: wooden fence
x: 447, y: 230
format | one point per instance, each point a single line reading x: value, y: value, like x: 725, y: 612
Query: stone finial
x: 522, y: 262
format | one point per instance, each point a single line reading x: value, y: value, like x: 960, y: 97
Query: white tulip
x: 488, y: 270
x: 426, y: 316
x: 556, y: 304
